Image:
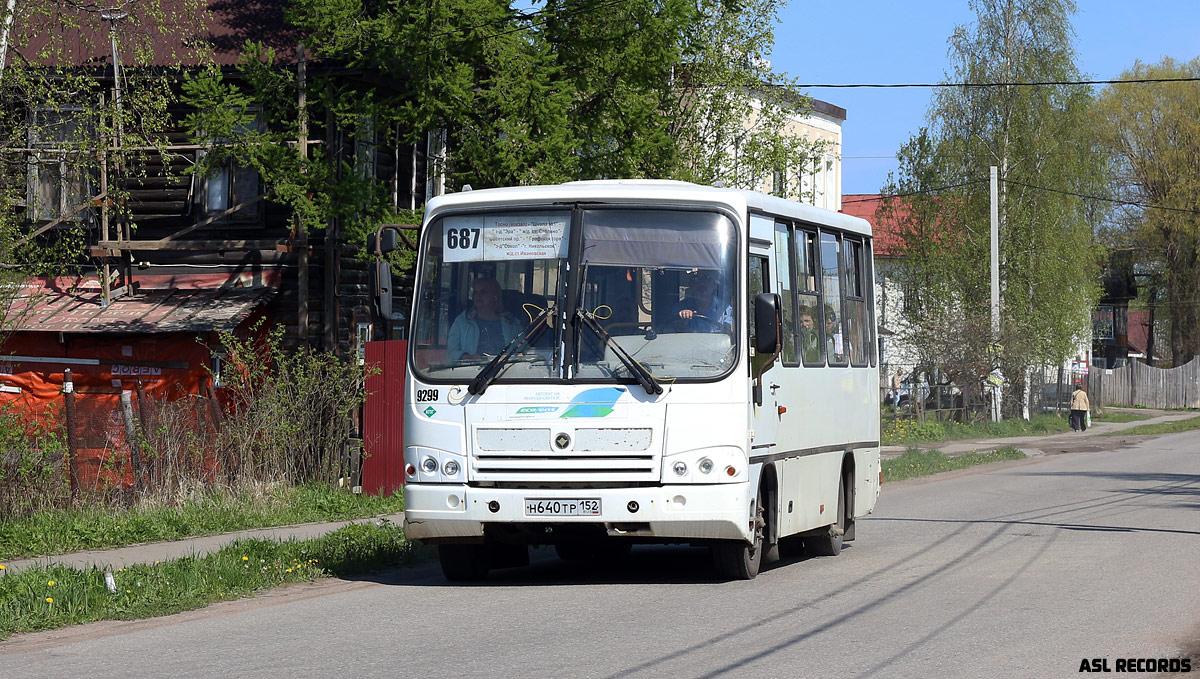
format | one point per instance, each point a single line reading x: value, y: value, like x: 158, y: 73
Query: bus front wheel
x: 740, y: 560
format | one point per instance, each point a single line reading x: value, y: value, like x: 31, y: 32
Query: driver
x: 485, y: 328
x: 703, y: 309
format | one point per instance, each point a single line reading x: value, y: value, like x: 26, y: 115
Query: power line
x: 1028, y: 83
x: 935, y: 189
x: 1130, y: 203
x: 1117, y: 201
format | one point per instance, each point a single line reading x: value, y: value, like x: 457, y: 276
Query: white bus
x: 597, y: 364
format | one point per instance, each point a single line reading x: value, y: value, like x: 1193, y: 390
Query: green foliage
x: 58, y: 596
x: 900, y: 431
x: 32, y: 462
x: 916, y: 462
x: 288, y: 412
x: 1155, y: 135
x: 577, y: 89
x: 903, y: 431
x: 1040, y: 139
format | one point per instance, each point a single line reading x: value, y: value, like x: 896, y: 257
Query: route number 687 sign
x: 475, y: 238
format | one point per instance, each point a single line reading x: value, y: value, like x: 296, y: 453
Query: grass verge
x: 1113, y: 416
x: 71, y: 530
x: 45, y: 598
x: 916, y: 462
x: 1190, y: 424
x: 901, y: 432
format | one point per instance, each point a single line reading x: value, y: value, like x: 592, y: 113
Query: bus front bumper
x: 700, y: 512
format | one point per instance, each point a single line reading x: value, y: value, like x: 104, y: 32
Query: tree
x: 1038, y: 137
x: 1153, y: 131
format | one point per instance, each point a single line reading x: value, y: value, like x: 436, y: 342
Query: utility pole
x: 994, y: 190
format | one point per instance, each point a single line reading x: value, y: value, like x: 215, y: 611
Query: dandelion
x: 245, y: 558
x: 51, y: 583
x: 49, y: 600
x: 129, y: 591
x: 3, y: 567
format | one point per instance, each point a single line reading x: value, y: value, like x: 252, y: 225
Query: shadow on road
x: 645, y: 565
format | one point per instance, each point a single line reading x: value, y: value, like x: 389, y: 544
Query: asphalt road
x: 1016, y: 570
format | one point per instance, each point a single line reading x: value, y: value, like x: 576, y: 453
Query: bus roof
x: 650, y: 191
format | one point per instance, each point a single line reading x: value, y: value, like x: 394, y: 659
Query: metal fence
x: 1049, y: 392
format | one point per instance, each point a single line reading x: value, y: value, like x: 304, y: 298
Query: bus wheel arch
x: 829, y: 541
x: 740, y: 560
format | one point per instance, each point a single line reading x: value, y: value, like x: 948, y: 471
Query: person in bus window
x: 834, y: 346
x: 810, y: 342
x: 485, y: 328
x: 703, y: 309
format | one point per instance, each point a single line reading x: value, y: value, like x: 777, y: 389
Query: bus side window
x: 856, y: 311
x: 831, y: 294
x: 809, y: 337
x: 785, y: 271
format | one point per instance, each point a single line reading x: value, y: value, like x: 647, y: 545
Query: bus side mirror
x: 381, y: 288
x: 384, y: 239
x: 767, y: 322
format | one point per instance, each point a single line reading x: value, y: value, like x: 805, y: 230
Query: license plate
x: 560, y: 507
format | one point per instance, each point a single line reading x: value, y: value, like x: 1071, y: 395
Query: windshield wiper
x: 492, y: 370
x: 639, y: 371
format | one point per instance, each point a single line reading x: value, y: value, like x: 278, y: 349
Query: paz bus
x: 598, y: 364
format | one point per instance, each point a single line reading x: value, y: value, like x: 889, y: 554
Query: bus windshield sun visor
x: 639, y: 371
x: 492, y: 370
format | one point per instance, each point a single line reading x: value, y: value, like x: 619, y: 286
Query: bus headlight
x: 429, y: 465
x: 702, y: 465
x: 450, y: 468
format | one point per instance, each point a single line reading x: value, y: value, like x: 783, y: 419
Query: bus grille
x: 612, y: 454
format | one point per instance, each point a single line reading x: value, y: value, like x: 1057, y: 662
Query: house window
x: 1102, y: 322
x: 366, y: 144
x: 229, y: 183
x: 59, y: 181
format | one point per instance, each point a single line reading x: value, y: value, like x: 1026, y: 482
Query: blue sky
x: 898, y: 41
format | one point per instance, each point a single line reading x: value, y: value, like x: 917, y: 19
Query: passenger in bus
x: 484, y: 329
x: 834, y: 346
x: 810, y: 342
x: 702, y: 308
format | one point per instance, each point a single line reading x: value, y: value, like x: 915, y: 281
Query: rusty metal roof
x: 151, y: 311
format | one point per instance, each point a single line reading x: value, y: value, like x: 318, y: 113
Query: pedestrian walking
x: 897, y: 383
x: 1079, y: 408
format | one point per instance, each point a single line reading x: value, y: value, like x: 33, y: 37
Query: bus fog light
x: 633, y: 506
x: 429, y: 465
x: 452, y: 501
x: 680, y: 468
x: 493, y: 506
x: 450, y: 468
x: 706, y: 466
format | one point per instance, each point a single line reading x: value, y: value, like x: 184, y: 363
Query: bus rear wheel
x: 463, y: 563
x: 740, y: 560
x: 830, y: 542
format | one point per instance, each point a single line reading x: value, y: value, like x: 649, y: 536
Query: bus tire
x: 829, y: 543
x: 463, y: 563
x: 737, y: 560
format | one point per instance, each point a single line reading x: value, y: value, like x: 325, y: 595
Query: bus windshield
x: 655, y: 285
